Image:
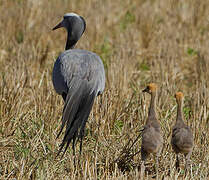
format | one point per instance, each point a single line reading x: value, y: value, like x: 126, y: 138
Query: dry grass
x: 140, y: 41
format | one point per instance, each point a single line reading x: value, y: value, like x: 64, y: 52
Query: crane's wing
x: 83, y: 76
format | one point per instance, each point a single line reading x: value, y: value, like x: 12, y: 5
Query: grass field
x: 139, y: 41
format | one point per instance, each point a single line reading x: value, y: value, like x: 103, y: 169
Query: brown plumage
x: 182, y: 138
x: 152, y: 140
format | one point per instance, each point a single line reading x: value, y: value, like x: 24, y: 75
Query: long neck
x: 179, y: 117
x: 152, y: 105
x: 70, y: 44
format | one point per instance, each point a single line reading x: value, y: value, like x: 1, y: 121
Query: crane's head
x: 75, y: 26
x: 151, y: 88
x: 72, y: 21
x: 179, y: 96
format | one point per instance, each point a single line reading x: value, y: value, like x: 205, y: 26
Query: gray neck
x: 152, y: 105
x: 71, y: 42
x: 179, y: 117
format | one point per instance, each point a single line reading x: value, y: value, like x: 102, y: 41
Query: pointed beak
x: 145, y: 90
x: 58, y: 26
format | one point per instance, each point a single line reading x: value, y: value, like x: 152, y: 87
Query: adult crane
x: 78, y: 76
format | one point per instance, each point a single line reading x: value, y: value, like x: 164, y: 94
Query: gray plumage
x: 79, y: 76
x: 182, y: 138
x: 152, y: 139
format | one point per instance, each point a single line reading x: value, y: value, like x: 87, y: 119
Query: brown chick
x: 182, y: 138
x: 152, y: 140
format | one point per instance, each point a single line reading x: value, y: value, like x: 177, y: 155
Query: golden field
x: 139, y: 41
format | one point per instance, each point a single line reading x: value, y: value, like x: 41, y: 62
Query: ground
x: 139, y: 41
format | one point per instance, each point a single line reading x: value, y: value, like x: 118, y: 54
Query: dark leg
x: 144, y: 156
x: 187, y: 157
x: 177, y: 162
x: 157, y: 157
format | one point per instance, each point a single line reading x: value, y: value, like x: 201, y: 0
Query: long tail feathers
x: 76, y: 111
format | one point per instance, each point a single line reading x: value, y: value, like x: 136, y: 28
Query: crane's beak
x: 58, y: 26
x: 146, y: 90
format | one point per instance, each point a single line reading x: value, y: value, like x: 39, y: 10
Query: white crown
x: 71, y: 14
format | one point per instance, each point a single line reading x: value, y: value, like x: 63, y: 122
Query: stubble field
x: 139, y: 41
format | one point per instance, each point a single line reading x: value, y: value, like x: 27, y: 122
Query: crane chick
x: 182, y: 138
x: 152, y: 140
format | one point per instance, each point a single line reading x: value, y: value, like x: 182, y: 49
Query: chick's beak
x: 146, y: 90
x: 58, y: 26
